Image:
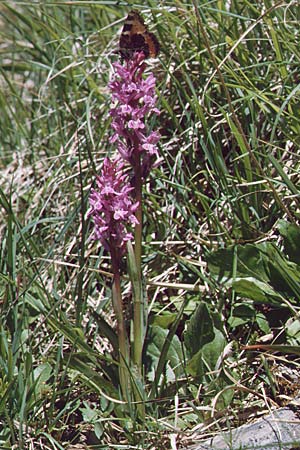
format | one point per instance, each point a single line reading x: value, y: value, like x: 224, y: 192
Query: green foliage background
x: 221, y: 252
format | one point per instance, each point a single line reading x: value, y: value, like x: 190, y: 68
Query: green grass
x: 221, y: 233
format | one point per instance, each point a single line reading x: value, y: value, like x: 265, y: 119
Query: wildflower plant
x: 113, y: 210
x: 116, y: 200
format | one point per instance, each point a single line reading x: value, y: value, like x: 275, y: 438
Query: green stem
x: 138, y: 308
x: 122, y: 334
x: 138, y: 314
x: 138, y: 328
x: 135, y: 267
x: 139, y: 215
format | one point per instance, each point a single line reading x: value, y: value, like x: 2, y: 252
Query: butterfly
x: 136, y: 38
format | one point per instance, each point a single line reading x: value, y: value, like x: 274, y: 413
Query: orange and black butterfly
x: 136, y: 38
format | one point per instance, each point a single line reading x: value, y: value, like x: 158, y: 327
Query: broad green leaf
x: 284, y: 275
x: 240, y: 261
x: 98, y: 429
x: 234, y: 322
x: 256, y: 290
x: 263, y: 323
x: 205, y: 360
x: 293, y: 332
x: 243, y: 310
x: 43, y: 371
x: 174, y: 359
x: 164, y: 320
x: 163, y: 357
x: 275, y: 276
x: 199, y: 330
x: 241, y: 313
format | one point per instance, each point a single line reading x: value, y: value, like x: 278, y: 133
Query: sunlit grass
x: 228, y: 95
